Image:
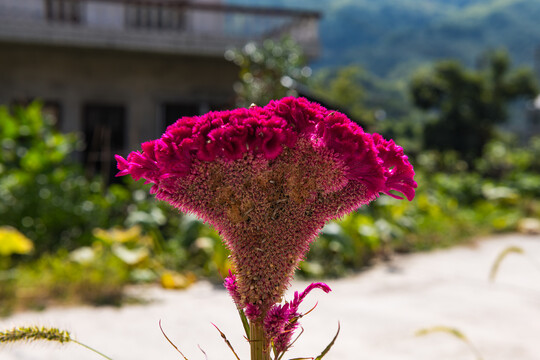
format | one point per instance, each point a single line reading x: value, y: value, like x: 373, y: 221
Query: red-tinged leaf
x: 170, y: 342
x: 310, y: 310
x: 226, y: 341
x: 291, y: 344
x: 204, y: 352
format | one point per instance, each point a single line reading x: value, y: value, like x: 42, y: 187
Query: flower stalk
x: 259, y: 345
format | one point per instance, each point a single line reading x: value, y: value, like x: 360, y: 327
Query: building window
x: 68, y: 11
x: 146, y: 15
x: 104, y: 129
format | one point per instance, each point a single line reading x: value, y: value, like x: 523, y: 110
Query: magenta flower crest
x: 268, y: 179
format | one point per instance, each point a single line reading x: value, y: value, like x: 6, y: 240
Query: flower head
x: 268, y: 178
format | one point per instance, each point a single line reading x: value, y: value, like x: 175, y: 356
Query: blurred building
x: 533, y: 107
x: 120, y: 71
x: 533, y: 118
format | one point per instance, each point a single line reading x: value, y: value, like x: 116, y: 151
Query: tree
x: 268, y: 70
x: 469, y: 104
x: 343, y: 87
x: 366, y: 98
x: 44, y: 193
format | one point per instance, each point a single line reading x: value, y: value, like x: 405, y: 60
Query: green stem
x: 89, y: 348
x: 245, y: 322
x: 260, y: 348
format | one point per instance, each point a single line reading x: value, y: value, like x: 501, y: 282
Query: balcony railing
x: 155, y: 25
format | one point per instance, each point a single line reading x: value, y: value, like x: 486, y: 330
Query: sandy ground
x: 379, y: 310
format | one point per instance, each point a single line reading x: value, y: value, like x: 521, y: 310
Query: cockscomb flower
x: 268, y: 179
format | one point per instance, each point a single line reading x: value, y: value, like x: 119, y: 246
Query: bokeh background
x: 454, y: 82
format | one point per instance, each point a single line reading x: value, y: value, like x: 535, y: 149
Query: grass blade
x: 501, y: 257
x: 454, y: 332
x: 329, y: 346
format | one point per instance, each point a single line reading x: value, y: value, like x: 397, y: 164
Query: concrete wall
x: 32, y: 9
x: 141, y: 82
x: 103, y: 14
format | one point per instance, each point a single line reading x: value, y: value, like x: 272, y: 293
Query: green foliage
x: 504, y: 158
x: 366, y: 98
x: 378, y: 105
x: 467, y: 103
x: 342, y: 87
x: 44, y: 193
x: 95, y: 274
x: 58, y: 279
x: 268, y: 70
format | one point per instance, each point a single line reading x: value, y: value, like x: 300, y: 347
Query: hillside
x: 393, y: 37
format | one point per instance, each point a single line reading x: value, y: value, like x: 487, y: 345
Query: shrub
x: 45, y: 194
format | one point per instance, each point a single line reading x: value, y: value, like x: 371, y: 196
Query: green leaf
x: 329, y: 346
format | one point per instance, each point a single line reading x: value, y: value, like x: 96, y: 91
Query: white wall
x: 33, y: 9
x: 206, y: 21
x: 103, y: 14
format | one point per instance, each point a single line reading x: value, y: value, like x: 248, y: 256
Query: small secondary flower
x: 230, y: 285
x: 281, y: 321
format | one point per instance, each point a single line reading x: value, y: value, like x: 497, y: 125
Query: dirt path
x: 379, y: 310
